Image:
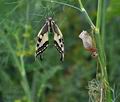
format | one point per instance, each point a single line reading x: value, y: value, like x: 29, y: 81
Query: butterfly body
x: 43, y: 39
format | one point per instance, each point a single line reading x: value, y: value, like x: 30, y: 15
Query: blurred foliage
x: 51, y: 80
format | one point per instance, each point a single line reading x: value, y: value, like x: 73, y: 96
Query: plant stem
x: 100, y: 32
x: 99, y: 36
x: 86, y: 15
x: 21, y: 69
x: 100, y: 44
x: 24, y: 81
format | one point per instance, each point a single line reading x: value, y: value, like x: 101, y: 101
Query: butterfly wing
x: 42, y: 40
x: 58, y: 40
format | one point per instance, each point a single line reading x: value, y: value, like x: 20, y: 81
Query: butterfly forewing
x: 58, y: 40
x: 42, y: 40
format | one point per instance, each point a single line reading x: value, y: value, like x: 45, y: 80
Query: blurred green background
x: 22, y: 79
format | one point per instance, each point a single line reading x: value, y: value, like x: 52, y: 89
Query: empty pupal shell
x: 87, y: 40
x: 88, y: 43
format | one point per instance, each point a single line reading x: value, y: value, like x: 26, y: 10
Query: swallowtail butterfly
x: 43, y: 39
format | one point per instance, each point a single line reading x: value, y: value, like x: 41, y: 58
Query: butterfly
x: 43, y: 39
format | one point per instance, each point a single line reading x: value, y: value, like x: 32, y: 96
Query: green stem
x: 81, y: 5
x: 24, y: 81
x: 99, y: 36
x: 100, y: 32
x: 86, y: 14
x: 99, y: 13
x: 103, y: 25
x: 21, y: 69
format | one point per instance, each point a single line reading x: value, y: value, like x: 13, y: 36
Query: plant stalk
x: 100, y: 33
x: 24, y: 81
x: 21, y: 69
x: 86, y: 15
x: 99, y: 37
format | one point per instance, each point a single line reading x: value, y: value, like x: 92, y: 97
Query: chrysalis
x: 43, y: 40
x: 88, y: 43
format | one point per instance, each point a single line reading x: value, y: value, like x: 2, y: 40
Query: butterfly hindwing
x: 42, y: 40
x: 58, y: 39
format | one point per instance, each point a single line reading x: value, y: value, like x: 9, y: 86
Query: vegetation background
x: 22, y: 79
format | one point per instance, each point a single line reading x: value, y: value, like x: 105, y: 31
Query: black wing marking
x: 58, y: 40
x: 42, y: 40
